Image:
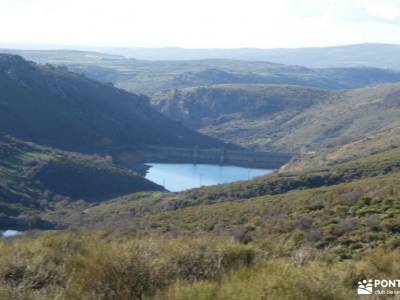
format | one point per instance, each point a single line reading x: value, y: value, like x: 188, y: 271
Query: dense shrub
x: 280, y: 279
x: 98, y: 266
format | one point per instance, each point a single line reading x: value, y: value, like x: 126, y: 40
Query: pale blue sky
x: 203, y: 24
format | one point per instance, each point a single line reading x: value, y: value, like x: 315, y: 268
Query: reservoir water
x: 179, y: 177
x: 9, y: 233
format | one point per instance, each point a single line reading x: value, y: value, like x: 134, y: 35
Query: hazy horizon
x: 191, y: 24
x: 61, y: 47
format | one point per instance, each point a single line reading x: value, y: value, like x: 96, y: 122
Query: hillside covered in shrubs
x: 51, y: 106
x: 36, y: 178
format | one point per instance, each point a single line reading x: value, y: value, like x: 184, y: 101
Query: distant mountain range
x: 150, y: 77
x: 356, y: 55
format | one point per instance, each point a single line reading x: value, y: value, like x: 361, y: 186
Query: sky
x: 198, y: 23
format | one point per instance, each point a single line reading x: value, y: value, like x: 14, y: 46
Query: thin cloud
x: 192, y: 23
x: 388, y: 11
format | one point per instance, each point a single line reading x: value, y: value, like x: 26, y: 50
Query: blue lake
x: 179, y: 177
x: 9, y: 233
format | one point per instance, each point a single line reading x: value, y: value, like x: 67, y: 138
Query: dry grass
x: 98, y: 266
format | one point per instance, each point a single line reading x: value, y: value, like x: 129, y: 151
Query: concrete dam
x: 270, y: 160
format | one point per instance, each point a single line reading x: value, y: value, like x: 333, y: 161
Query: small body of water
x: 179, y: 177
x: 10, y: 233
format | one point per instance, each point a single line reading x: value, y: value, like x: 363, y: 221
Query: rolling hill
x: 54, y: 107
x: 287, y: 118
x: 150, y: 77
x: 36, y: 178
x: 205, y: 106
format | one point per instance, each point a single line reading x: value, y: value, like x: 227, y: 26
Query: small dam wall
x: 270, y: 160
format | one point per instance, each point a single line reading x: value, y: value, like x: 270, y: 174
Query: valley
x: 199, y: 150
x: 228, y: 176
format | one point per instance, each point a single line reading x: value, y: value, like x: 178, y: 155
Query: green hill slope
x: 307, y: 233
x: 35, y: 178
x: 248, y: 115
x: 285, y: 118
x: 348, y: 217
x: 381, y: 141
x: 344, y: 209
x: 54, y: 107
x: 214, y: 105
x: 126, y: 209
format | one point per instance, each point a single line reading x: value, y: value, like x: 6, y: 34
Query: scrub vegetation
x: 95, y: 229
